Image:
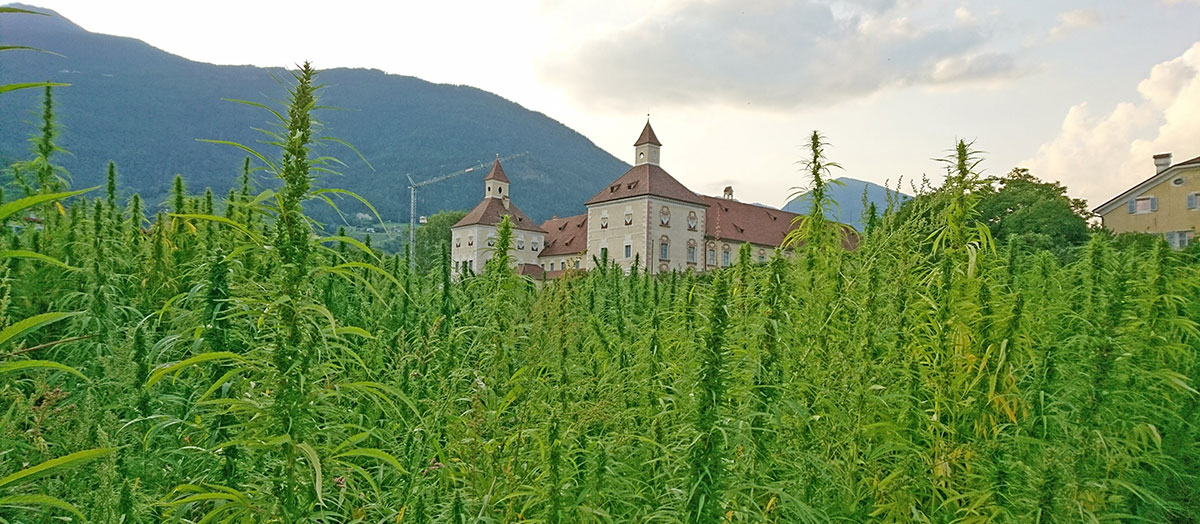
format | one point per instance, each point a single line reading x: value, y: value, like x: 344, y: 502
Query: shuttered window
x: 1143, y: 205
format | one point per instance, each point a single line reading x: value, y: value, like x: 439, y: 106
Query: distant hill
x: 144, y: 109
x: 849, y: 197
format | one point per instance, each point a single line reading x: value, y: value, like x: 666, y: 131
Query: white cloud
x: 1071, y: 20
x: 964, y: 15
x: 782, y: 54
x: 1098, y: 156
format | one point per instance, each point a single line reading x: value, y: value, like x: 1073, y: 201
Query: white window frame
x: 1135, y: 205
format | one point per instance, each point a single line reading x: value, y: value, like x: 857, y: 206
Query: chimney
x: 1161, y: 162
x: 728, y: 192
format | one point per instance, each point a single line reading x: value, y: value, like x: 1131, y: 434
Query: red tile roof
x: 491, y: 210
x: 497, y: 173
x: 532, y: 270
x: 647, y: 136
x: 741, y: 222
x: 646, y: 180
x: 565, y: 236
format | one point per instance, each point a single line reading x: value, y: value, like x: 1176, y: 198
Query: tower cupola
x: 496, y: 182
x: 646, y: 149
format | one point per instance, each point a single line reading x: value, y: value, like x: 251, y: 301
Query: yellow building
x: 1167, y: 203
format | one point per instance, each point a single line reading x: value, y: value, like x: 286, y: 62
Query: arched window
x: 725, y: 255
x: 664, y: 248
x: 762, y: 255
x: 664, y: 216
x: 693, y: 221
x: 691, y: 251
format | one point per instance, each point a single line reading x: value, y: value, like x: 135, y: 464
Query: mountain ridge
x: 849, y: 197
x: 145, y: 109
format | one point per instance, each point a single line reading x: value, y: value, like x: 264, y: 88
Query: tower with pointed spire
x: 646, y: 149
x: 474, y: 237
x: 496, y: 182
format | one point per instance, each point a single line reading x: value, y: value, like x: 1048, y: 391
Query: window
x: 664, y: 216
x: 576, y: 264
x: 552, y: 266
x: 458, y: 242
x: 762, y: 255
x: 691, y: 252
x: 470, y: 241
x: 603, y: 253
x: 628, y: 251
x: 629, y: 219
x: 692, y: 221
x: 1193, y: 201
x: 1178, y: 239
x: 1143, y: 205
x: 725, y: 256
x: 534, y: 246
x: 521, y: 244
x: 604, y: 222
x: 491, y: 241
x: 664, y: 249
x: 1177, y: 182
x: 712, y: 257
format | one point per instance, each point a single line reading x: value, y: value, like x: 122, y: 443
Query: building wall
x: 677, y: 232
x: 644, y: 233
x: 470, y: 244
x: 759, y: 253
x: 617, y: 234
x: 561, y: 262
x: 1172, y: 214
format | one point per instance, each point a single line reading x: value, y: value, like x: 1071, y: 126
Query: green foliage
x: 242, y: 368
x: 432, y: 235
x: 1018, y: 204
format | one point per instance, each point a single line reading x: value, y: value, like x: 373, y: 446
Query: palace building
x: 645, y: 215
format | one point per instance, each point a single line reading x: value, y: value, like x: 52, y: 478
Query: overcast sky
x: 1080, y: 92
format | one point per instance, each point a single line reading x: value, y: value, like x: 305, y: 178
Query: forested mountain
x: 849, y: 197
x: 145, y: 109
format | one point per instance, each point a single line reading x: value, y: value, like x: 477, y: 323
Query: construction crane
x: 412, y: 207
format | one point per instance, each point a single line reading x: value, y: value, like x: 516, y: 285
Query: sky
x: 1081, y: 92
